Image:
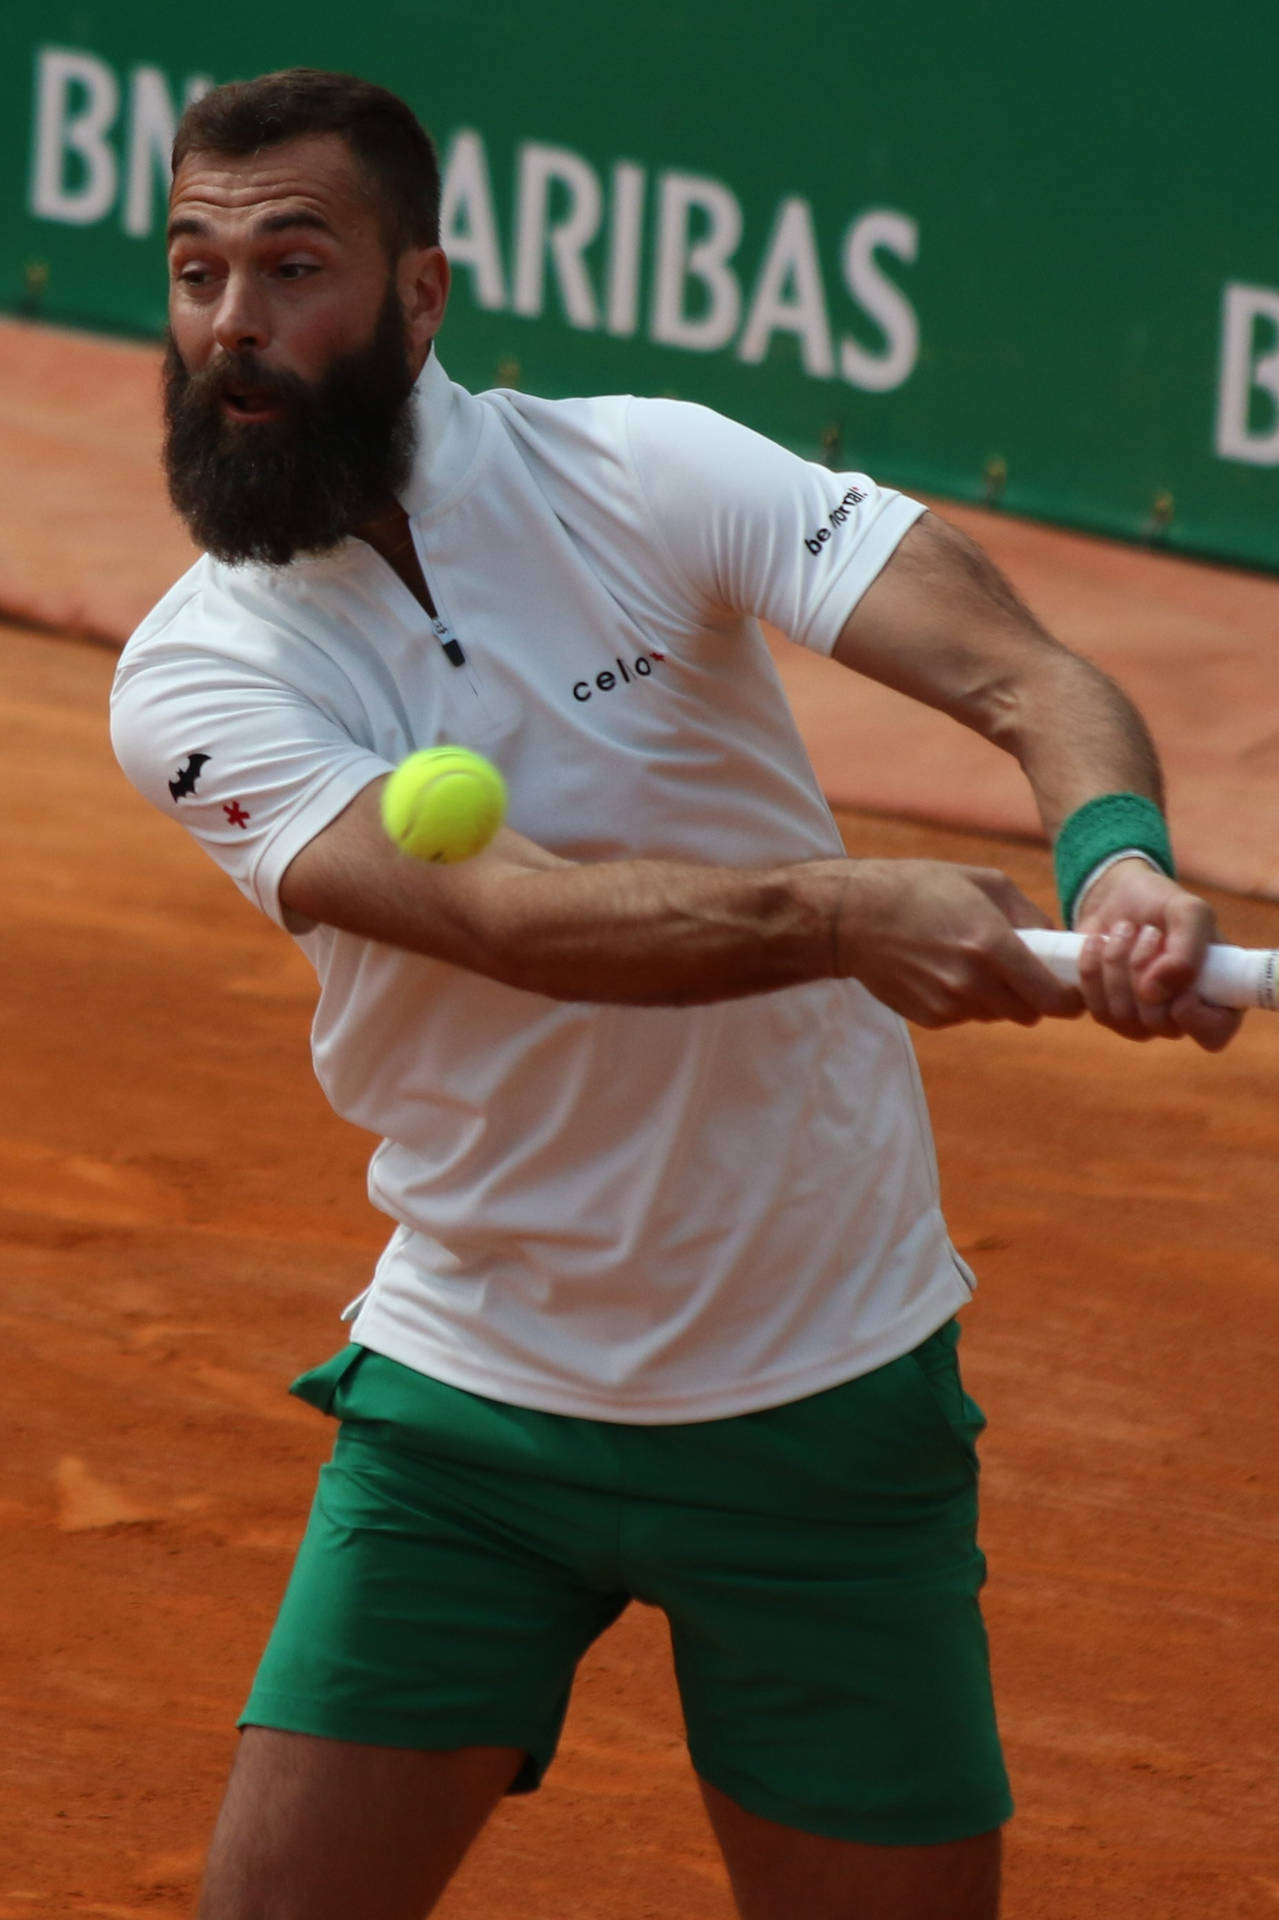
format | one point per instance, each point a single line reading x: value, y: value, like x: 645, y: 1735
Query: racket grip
x: 1230, y: 976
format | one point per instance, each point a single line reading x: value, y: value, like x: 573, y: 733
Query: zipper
x: 449, y: 642
x: 450, y: 646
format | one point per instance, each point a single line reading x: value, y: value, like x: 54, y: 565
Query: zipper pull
x: 448, y: 640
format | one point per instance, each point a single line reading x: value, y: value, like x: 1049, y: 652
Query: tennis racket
x: 1230, y: 976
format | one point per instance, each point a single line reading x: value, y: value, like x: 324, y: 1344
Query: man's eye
x: 296, y: 269
x: 193, y: 276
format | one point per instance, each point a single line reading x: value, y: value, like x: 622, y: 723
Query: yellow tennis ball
x: 444, y: 804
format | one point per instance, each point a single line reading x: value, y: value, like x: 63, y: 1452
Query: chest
x: 622, y: 718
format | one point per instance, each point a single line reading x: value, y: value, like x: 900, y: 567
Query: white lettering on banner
x: 468, y: 222
x: 625, y: 233
x: 789, y: 296
x: 886, y: 304
x: 77, y: 99
x: 1245, y: 371
x: 566, y: 239
x: 77, y: 106
x: 705, y: 260
x: 153, y: 121
x: 101, y: 145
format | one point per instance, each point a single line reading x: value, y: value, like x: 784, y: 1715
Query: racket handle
x: 1230, y: 976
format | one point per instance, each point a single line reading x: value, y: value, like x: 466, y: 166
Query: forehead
x: 317, y: 177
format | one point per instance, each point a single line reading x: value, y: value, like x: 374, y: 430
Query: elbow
x: 1007, y: 716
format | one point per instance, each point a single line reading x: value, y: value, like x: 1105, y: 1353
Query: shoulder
x: 590, y: 428
x: 245, y: 617
x: 208, y: 602
x: 614, y: 425
x: 184, y: 605
x: 635, y: 463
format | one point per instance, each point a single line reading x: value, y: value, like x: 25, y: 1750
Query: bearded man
x: 668, y: 1312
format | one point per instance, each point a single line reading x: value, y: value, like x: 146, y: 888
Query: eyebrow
x: 186, y: 225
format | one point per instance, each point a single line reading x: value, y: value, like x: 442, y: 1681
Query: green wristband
x: 1111, y: 824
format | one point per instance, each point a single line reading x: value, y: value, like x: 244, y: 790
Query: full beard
x: 269, y: 490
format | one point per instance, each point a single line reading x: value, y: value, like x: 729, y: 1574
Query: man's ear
x: 422, y: 281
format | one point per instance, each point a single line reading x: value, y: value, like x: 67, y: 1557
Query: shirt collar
x: 449, y: 422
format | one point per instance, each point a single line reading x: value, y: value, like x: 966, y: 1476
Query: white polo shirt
x: 638, y: 1214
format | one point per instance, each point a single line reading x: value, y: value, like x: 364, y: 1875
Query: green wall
x: 998, y: 251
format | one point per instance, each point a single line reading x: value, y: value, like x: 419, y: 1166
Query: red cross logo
x: 236, y: 815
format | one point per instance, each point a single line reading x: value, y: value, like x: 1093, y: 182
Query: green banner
x: 999, y: 252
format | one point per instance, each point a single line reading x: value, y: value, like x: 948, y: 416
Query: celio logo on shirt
x: 606, y: 681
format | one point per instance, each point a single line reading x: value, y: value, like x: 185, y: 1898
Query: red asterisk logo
x: 236, y: 815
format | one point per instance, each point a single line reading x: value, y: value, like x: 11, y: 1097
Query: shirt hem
x: 574, y: 1401
x: 297, y: 831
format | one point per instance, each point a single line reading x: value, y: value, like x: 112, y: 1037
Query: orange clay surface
x: 181, y: 1219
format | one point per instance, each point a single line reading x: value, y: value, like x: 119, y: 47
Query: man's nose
x: 242, y: 322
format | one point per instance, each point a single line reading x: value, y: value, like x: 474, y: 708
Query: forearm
x: 657, y: 933
x: 638, y: 932
x: 943, y: 625
x: 932, y: 941
x: 1076, y: 735
x: 1074, y: 731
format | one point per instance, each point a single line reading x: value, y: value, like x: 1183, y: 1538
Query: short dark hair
x: 383, y: 133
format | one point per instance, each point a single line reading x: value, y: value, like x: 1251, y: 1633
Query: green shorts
x: 817, y: 1563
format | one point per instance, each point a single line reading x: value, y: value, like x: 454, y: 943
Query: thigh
x: 431, y: 1606
x: 777, y: 1872
x: 830, y: 1649
x: 315, y: 1829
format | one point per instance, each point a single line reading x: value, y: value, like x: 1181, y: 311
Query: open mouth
x: 252, y: 403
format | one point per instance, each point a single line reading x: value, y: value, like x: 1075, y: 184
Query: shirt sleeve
x: 753, y: 529
x: 250, y: 766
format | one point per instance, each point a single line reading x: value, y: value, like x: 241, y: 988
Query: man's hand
x: 1146, y: 942
x: 935, y: 942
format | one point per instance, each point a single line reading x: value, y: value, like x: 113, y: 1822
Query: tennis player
x: 668, y: 1311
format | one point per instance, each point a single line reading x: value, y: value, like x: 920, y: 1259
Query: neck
x: 387, y: 530
x: 389, y: 534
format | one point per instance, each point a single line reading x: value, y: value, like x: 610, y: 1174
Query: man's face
x: 294, y: 344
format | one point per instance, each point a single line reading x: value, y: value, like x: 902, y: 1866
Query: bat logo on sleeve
x: 187, y: 779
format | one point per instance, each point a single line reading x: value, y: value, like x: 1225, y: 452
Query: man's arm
x: 934, y: 941
x: 942, y: 625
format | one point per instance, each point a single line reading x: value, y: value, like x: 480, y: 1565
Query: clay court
x: 181, y: 1218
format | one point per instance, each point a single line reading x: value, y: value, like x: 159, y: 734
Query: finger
x: 1098, y: 993
x: 1153, y: 1000
x: 1172, y: 966
x: 1115, y: 974
x: 1211, y: 1028
x: 1157, y: 1020
x: 952, y: 1000
x: 940, y: 1003
x: 994, y: 978
x: 1034, y: 986
x: 991, y: 1003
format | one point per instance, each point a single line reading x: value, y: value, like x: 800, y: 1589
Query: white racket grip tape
x: 1230, y: 976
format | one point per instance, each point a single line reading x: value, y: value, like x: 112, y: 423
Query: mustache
x: 238, y: 373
